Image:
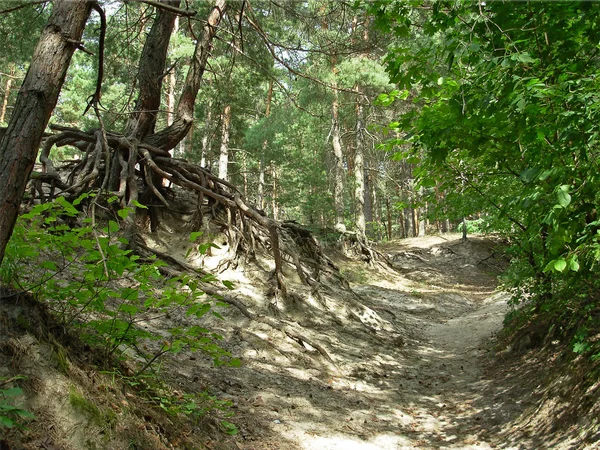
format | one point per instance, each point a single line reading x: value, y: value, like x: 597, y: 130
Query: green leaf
x: 113, y: 226
x: 12, y: 392
x: 574, y: 264
x: 6, y: 422
x: 228, y: 284
x: 581, y: 347
x: 128, y: 309
x: 50, y: 265
x: 195, y: 235
x: 525, y: 57
x: 560, y: 265
x: 79, y: 199
x: 229, y: 428
x: 562, y: 194
x: 139, y: 205
x: 124, y: 213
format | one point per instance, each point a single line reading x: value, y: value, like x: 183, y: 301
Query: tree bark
x: 184, y: 116
x: 260, y: 195
x: 207, y: 137
x: 224, y: 150
x: 359, y: 168
x: 172, y: 85
x: 368, y: 199
x: 35, y: 102
x: 274, y: 205
x: 7, y: 90
x: 151, y: 73
x: 338, y: 157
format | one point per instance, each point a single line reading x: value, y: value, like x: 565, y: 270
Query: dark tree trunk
x: 169, y: 137
x: 151, y: 72
x: 35, y: 102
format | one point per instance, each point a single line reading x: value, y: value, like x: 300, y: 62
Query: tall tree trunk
x: 338, y: 156
x: 274, y: 206
x: 422, y: 213
x: 186, y: 147
x: 224, y: 149
x: 172, y: 85
x: 7, y: 90
x: 169, y: 137
x: 389, y: 218
x: 260, y: 196
x: 359, y: 167
x: 35, y: 102
x: 245, y: 173
x: 207, y: 137
x: 368, y: 199
x: 151, y: 73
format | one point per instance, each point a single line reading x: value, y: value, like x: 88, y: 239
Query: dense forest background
x: 380, y: 119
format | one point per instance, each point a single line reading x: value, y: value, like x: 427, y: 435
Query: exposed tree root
x: 135, y: 172
x: 357, y: 245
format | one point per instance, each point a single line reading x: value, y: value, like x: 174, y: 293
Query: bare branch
x: 173, y: 9
x: 24, y: 5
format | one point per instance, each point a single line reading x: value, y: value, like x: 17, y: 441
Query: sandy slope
x: 413, y: 378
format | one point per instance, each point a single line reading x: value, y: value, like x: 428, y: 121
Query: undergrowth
x: 95, y: 286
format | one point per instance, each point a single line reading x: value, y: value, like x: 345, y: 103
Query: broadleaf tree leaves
x: 562, y: 194
x: 560, y: 265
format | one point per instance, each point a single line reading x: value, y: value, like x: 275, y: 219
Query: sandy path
x: 419, y: 386
x: 421, y: 394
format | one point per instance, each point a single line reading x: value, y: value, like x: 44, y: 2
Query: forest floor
x: 438, y: 383
x: 414, y: 362
x: 427, y: 389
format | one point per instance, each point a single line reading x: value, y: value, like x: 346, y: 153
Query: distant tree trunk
x: 7, y: 90
x: 338, y: 157
x: 206, y: 137
x: 260, y: 196
x: 34, y: 105
x: 224, y: 149
x: 368, y: 200
x: 464, y: 219
x: 359, y: 168
x: 172, y: 85
x: 274, y: 196
x: 186, y: 146
x: 245, y: 173
x: 422, y: 212
x: 389, y: 217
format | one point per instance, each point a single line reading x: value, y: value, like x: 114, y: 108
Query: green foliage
x: 11, y: 415
x: 90, y: 280
x: 473, y: 226
x: 506, y: 124
x: 194, y: 406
